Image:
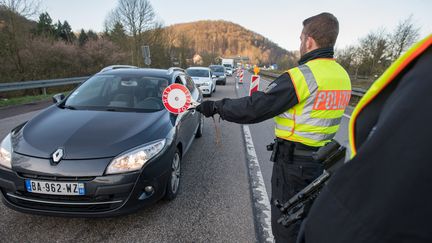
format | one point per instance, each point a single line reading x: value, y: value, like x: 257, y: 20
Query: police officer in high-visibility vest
x: 383, y: 194
x: 307, y: 103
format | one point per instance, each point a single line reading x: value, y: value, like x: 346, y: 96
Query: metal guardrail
x: 355, y: 91
x: 65, y: 81
x: 40, y: 84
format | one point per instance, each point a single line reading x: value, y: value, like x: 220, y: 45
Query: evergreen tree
x: 67, y: 34
x: 118, y: 35
x: 58, y: 30
x: 44, y: 25
x: 64, y: 32
x: 92, y: 35
x: 82, y: 38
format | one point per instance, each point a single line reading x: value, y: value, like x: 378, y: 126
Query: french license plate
x: 55, y: 188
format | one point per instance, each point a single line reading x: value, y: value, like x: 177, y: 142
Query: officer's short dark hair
x: 323, y: 28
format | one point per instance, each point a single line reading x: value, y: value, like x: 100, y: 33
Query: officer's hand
x: 207, y: 108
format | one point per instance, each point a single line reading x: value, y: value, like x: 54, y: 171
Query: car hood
x: 87, y: 134
x: 200, y: 80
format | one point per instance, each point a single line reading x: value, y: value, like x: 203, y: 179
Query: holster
x: 275, y: 148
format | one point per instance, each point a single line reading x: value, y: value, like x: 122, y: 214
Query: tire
x: 173, y: 184
x: 199, y: 132
x: 224, y: 83
x: 214, y: 89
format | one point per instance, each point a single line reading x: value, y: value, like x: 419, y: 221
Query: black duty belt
x: 297, y: 149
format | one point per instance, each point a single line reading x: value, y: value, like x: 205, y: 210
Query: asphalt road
x: 215, y: 202
x: 213, y: 205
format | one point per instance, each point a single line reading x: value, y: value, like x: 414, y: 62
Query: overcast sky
x: 278, y: 20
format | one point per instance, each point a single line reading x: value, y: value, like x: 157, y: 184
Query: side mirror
x: 57, y: 98
x: 213, y: 76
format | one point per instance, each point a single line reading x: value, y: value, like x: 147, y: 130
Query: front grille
x: 63, y: 203
x: 56, y: 178
x: 76, y: 198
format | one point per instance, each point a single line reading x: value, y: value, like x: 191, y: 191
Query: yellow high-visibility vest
x: 323, y: 89
x: 383, y: 81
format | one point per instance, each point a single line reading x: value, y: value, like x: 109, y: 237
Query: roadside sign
x: 147, y: 61
x: 176, y: 98
x: 146, y: 55
x: 145, y: 51
x: 254, y: 85
x: 256, y: 70
x: 241, y: 76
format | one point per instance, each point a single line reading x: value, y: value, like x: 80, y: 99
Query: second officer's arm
x: 278, y: 97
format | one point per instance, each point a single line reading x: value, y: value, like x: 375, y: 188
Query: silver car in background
x: 203, y: 79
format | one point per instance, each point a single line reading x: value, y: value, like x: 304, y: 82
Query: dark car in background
x: 108, y: 148
x: 219, y: 72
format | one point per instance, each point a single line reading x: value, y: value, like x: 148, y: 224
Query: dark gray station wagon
x: 108, y: 148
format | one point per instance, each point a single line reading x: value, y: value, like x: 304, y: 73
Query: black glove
x: 207, y: 108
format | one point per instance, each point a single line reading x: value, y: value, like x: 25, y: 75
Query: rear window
x: 202, y: 73
x: 218, y: 69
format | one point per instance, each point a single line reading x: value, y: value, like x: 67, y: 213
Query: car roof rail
x: 173, y: 69
x: 112, y: 67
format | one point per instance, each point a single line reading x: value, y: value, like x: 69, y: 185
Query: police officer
x: 307, y: 103
x: 383, y: 194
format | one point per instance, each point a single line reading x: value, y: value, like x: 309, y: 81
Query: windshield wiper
x: 69, y: 107
x: 113, y: 109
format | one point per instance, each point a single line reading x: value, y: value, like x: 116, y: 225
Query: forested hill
x: 227, y: 39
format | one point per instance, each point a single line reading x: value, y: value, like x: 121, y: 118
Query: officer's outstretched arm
x: 279, y: 96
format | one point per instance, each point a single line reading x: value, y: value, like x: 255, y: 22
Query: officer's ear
x: 311, y: 44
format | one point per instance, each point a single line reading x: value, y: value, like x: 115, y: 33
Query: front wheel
x: 174, y: 180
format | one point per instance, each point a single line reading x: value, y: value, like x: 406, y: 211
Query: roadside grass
x: 26, y: 99
x: 23, y: 100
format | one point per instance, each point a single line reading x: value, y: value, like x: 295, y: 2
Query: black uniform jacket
x: 384, y: 194
x: 278, y: 98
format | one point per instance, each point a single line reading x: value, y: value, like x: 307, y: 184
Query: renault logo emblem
x: 57, y: 155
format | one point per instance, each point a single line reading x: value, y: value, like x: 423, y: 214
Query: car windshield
x: 119, y: 93
x: 218, y: 69
x: 198, y: 73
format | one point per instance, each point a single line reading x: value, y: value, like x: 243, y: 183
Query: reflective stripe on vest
x: 323, y: 89
x: 385, y: 79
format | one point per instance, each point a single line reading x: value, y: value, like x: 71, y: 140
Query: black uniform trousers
x: 293, y: 170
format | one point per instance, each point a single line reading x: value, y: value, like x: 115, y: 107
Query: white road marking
x: 347, y: 116
x: 259, y: 192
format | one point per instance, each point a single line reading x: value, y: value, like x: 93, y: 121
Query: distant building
x: 197, y: 60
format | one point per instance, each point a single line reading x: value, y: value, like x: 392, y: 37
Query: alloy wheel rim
x: 175, y: 174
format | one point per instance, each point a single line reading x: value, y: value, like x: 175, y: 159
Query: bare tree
x: 404, y: 35
x: 25, y: 8
x: 137, y: 17
x: 372, y: 51
x: 14, y: 35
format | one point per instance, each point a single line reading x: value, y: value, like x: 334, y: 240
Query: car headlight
x: 6, y: 152
x: 135, y: 159
x: 207, y: 83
